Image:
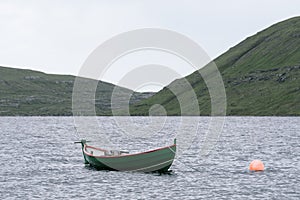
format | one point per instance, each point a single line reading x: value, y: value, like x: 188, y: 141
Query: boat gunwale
x: 118, y: 156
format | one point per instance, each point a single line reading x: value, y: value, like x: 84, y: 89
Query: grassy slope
x: 27, y: 92
x: 261, y: 76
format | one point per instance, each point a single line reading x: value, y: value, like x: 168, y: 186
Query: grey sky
x: 56, y: 36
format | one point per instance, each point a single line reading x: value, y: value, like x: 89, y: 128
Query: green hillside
x: 261, y: 76
x: 32, y: 93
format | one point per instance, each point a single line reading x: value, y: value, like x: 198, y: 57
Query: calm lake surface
x: 40, y: 160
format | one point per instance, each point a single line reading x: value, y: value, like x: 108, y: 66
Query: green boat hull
x: 159, y: 160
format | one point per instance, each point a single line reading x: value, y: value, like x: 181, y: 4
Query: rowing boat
x: 157, y: 160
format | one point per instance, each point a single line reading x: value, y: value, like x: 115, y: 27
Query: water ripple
x: 39, y: 160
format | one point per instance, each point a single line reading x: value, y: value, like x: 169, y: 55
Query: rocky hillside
x: 261, y: 76
x: 33, y: 93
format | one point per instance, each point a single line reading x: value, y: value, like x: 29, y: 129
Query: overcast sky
x: 56, y: 36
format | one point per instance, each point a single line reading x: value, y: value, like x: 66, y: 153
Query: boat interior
x: 101, y: 152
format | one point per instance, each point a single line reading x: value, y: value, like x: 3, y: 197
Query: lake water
x: 39, y: 160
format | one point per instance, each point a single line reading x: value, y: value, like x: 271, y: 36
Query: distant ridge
x: 32, y: 93
x: 261, y: 76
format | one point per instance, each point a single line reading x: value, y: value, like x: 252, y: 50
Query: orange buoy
x: 256, y: 165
